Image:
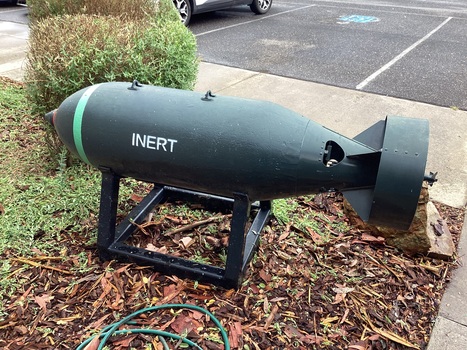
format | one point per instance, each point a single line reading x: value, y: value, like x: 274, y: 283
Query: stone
x: 441, y: 243
x: 428, y: 233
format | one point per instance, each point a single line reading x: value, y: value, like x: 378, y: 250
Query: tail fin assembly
x: 403, y: 146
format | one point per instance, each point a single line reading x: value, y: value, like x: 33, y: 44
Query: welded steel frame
x: 241, y: 247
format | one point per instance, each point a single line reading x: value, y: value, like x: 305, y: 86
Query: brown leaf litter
x: 303, y: 289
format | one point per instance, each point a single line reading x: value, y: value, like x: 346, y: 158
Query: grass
x: 40, y: 198
x: 288, y: 212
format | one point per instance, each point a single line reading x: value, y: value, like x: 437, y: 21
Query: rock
x: 442, y: 245
x: 428, y: 233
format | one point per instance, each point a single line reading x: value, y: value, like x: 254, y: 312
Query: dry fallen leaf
x: 187, y: 242
x: 43, y: 300
x: 184, y: 324
x: 235, y: 334
x: 93, y: 345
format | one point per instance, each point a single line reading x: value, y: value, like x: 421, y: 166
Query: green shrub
x: 134, y: 9
x: 68, y: 53
x: 74, y: 44
x: 40, y: 9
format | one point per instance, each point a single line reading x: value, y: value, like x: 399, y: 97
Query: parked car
x: 187, y: 8
x: 11, y: 2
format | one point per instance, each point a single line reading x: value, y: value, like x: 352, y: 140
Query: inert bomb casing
x: 223, y: 145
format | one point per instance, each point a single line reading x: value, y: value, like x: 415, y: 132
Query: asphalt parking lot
x: 416, y: 50
x: 15, y: 14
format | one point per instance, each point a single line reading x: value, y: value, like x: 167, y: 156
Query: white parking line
x: 254, y: 20
x: 399, y: 56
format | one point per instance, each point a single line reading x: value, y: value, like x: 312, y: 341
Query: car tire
x: 184, y: 10
x: 260, y: 6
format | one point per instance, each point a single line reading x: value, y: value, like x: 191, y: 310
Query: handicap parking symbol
x: 357, y: 19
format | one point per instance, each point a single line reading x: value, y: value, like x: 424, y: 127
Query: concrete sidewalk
x: 348, y: 112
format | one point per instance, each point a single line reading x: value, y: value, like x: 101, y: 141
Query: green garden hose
x: 112, y: 329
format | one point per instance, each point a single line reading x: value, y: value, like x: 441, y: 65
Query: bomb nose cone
x: 50, y: 117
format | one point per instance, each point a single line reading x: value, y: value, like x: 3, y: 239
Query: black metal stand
x: 110, y: 240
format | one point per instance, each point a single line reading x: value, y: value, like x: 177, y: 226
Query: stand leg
x: 253, y: 235
x: 234, y: 264
x: 107, y: 213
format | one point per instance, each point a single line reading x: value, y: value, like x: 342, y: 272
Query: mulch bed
x: 301, y: 291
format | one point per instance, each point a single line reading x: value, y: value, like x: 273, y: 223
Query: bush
x: 133, y: 10
x: 70, y: 52
x: 40, y: 9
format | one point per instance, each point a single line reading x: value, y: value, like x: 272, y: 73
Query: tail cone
x: 50, y: 117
